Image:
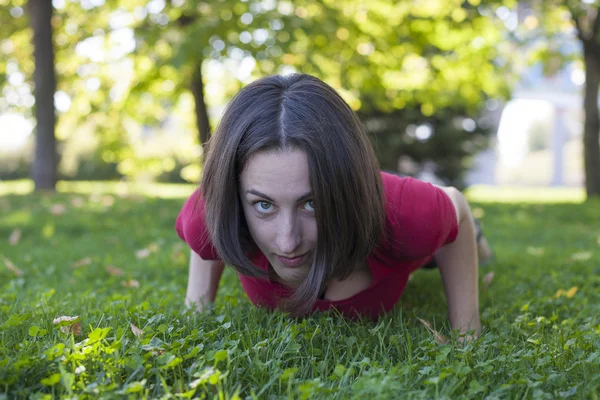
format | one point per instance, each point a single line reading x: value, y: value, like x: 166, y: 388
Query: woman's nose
x: 288, y: 237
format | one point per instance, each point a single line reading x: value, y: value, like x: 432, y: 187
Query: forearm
x: 203, y: 280
x: 458, y: 266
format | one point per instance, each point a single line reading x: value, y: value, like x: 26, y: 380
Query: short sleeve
x: 191, y: 228
x: 420, y: 217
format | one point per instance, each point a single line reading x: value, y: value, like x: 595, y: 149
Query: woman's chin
x: 291, y: 277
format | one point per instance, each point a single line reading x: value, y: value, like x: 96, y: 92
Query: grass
x: 116, y: 262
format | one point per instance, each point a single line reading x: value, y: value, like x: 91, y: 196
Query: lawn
x: 113, y: 259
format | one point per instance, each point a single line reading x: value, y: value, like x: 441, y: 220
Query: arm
x: 203, y: 281
x: 458, y: 266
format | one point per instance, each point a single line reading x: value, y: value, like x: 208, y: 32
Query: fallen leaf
x: 581, y: 256
x: 14, y: 237
x: 75, y: 329
x: 114, y: 271
x: 132, y: 283
x: 535, y: 251
x: 108, y: 200
x: 136, y: 331
x: 68, y: 325
x: 178, y: 256
x: 77, y: 202
x: 12, y: 267
x: 65, y: 320
x: 439, y: 338
x: 478, y: 213
x: 58, y: 209
x: 82, y: 262
x: 143, y: 253
x: 487, y: 280
x: 5, y: 204
x: 567, y: 293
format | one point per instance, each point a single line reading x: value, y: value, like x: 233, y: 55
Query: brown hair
x: 297, y: 112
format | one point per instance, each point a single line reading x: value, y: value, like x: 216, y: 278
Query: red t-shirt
x: 420, y: 218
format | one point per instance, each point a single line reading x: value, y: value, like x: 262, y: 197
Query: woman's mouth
x: 292, y: 262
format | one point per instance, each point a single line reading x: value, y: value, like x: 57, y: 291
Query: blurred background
x: 464, y: 93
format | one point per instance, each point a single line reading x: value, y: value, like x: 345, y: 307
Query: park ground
x: 108, y: 255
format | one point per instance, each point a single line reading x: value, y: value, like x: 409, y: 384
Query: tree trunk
x: 202, y: 120
x: 591, y: 132
x: 45, y: 160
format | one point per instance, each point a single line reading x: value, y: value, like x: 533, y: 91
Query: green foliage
x: 383, y: 57
x: 541, y: 336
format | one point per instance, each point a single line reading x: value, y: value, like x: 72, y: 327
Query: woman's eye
x: 263, y: 206
x: 311, y: 205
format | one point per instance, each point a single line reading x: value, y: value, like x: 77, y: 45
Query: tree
x: 37, y: 47
x: 45, y: 161
x: 587, y: 21
x: 382, y: 56
x: 558, y: 18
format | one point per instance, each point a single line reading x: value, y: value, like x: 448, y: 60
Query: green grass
x: 537, y: 342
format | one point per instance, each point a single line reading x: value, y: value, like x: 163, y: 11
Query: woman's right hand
x: 203, y: 282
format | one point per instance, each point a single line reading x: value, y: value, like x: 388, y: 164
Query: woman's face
x: 278, y: 205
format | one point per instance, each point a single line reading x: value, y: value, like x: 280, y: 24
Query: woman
x: 292, y: 198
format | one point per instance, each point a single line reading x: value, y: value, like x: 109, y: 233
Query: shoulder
x: 420, y: 217
x: 191, y: 227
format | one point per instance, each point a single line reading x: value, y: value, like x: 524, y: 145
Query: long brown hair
x: 297, y: 112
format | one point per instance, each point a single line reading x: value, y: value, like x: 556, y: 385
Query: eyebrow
x: 257, y: 193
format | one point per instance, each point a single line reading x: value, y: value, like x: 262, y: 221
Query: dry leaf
x: 571, y: 292
x: 439, y: 338
x: 14, y: 237
x: 132, y: 283
x: 478, y: 213
x: 143, y: 253
x: 58, y: 209
x: 108, y: 200
x: 75, y: 329
x: 12, y: 267
x: 82, y: 262
x: 65, y: 320
x: 567, y: 293
x: 114, y: 271
x: 68, y: 325
x: 581, y: 256
x: 178, y: 256
x: 487, y: 280
x: 77, y: 202
x: 535, y: 251
x: 136, y: 331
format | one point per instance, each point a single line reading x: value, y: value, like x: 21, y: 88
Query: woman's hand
x: 203, y: 282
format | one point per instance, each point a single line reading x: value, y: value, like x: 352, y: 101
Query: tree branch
x: 596, y: 27
x: 578, y: 25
